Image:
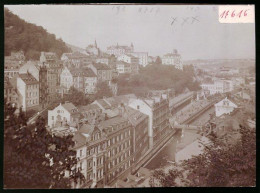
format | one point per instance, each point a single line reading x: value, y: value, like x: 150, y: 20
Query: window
x: 80, y: 153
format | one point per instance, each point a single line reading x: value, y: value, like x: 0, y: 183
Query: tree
x: 158, y: 60
x: 222, y: 164
x: 33, y: 158
x: 103, y: 90
x: 76, y: 97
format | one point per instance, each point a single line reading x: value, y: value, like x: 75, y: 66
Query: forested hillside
x: 158, y: 77
x: 32, y: 39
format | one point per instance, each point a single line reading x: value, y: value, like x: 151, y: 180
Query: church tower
x: 95, y: 43
x: 132, y: 47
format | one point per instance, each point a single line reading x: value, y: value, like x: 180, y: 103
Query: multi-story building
x: 142, y: 57
x: 173, y: 59
x: 157, y: 108
x: 54, y: 68
x: 83, y: 79
x: 102, y: 60
x: 104, y: 151
x: 119, y: 50
x: 66, y: 79
x: 140, y: 139
x: 39, y: 72
x: 218, y: 86
x: 102, y: 71
x: 123, y: 67
x: 11, y: 66
x: 130, y: 59
x: 118, y: 156
x: 63, y: 114
x: 75, y: 59
x: 28, y: 89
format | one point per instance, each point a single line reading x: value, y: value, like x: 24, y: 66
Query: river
x: 179, y: 141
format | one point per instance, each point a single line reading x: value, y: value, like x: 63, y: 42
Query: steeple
x: 95, y: 43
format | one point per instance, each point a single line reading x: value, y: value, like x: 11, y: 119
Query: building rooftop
x: 28, y: 78
x: 89, y: 107
x: 70, y: 107
x: 112, y: 122
x: 101, y: 66
x: 103, y: 103
x: 134, y: 116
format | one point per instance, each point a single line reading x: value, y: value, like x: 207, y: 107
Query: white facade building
x: 63, y: 114
x: 173, y: 59
x: 218, y: 86
x: 142, y: 56
x: 224, y: 107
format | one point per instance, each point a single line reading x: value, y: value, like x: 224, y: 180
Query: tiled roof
x: 28, y: 79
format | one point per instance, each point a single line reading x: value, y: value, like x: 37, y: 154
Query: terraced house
x: 108, y: 151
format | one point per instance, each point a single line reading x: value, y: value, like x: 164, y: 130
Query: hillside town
x: 115, y: 135
x: 122, y: 140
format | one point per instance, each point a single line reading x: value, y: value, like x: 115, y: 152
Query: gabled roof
x: 134, y: 116
x: 70, y: 108
x: 226, y: 102
x: 28, y: 78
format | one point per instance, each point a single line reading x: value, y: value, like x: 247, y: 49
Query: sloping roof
x: 101, y: 66
x: 226, y: 102
x: 70, y: 107
x: 89, y: 107
x: 28, y: 79
x: 103, y: 103
x: 79, y: 139
x: 86, y: 129
x: 134, y: 116
x: 112, y: 122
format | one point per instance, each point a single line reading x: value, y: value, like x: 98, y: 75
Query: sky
x: 196, y: 33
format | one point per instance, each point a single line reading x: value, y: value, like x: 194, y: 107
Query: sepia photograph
x: 129, y: 96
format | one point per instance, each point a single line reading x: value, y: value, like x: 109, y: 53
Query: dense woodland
x: 158, y: 77
x: 30, y: 38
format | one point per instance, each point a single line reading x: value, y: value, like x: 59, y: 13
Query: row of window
x: 119, y: 159
x: 119, y: 137
x: 32, y: 102
x: 32, y: 94
x: 119, y: 148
